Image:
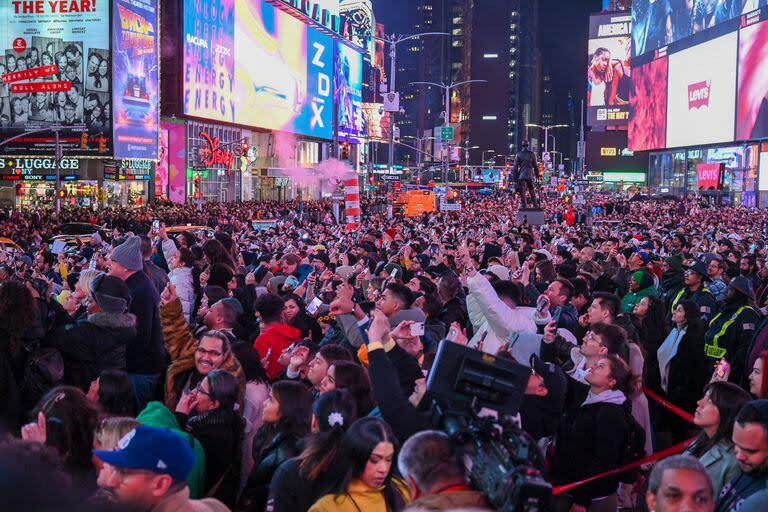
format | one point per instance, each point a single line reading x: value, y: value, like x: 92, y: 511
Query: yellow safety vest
x: 714, y: 350
x: 680, y: 294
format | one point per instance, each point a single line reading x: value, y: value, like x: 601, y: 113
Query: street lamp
x: 466, y: 152
x: 393, y: 40
x: 419, y: 150
x: 546, y: 129
x: 447, y: 117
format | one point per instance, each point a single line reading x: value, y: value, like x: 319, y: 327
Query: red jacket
x: 277, y: 337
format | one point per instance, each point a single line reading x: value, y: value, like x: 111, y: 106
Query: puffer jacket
x: 93, y: 345
x: 181, y: 347
x: 181, y: 279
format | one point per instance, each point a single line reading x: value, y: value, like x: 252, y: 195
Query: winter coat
x: 10, y: 405
x: 181, y: 347
x: 93, y: 345
x: 270, y: 449
x: 180, y: 502
x: 256, y: 394
x: 289, y: 490
x: 720, y: 463
x: 156, y: 414
x: 220, y: 432
x: 468, y: 499
x: 277, y: 337
x: 630, y: 300
x: 181, y: 279
x: 157, y: 275
x: 145, y: 353
x: 492, y: 319
x: 591, y: 441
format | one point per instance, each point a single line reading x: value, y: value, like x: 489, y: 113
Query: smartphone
x: 313, y: 306
x: 722, y: 367
x: 417, y: 329
x: 155, y: 225
x: 542, y: 304
x: 393, y: 274
x: 269, y: 354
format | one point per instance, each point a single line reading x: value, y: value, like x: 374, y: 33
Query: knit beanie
x: 128, y: 254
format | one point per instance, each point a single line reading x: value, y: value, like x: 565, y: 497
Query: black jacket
x: 146, y: 352
x: 270, y: 450
x: 10, y: 404
x: 589, y: 442
x: 689, y: 372
x: 290, y: 491
x: 455, y: 310
x: 93, y: 345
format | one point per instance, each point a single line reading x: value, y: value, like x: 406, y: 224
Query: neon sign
x: 212, y: 154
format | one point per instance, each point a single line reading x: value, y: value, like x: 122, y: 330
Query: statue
x: 525, y: 173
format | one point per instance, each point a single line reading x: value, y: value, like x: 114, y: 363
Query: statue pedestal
x: 535, y: 216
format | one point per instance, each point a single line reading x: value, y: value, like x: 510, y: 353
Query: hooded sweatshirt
x: 155, y: 414
x: 277, y: 337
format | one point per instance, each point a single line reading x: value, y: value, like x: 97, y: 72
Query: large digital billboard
x: 283, y: 72
x: 349, y: 83
x: 656, y: 23
x: 55, y: 63
x: 752, y: 107
x: 648, y: 100
x: 209, y: 59
x: 609, y: 151
x: 135, y: 91
x: 702, y: 93
x: 608, y: 71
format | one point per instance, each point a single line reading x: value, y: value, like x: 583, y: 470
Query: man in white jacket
x: 495, y: 313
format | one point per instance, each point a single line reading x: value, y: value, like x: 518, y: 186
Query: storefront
x: 127, y: 182
x: 213, y: 162
x: 30, y: 182
x: 676, y: 172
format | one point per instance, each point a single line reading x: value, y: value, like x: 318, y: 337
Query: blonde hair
x: 86, y: 279
x: 111, y: 430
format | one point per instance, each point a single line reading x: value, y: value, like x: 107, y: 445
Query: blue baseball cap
x: 159, y: 450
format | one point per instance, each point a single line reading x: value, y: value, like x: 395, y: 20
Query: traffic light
x: 84, y: 141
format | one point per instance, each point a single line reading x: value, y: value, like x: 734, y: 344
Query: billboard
x: 349, y: 83
x: 609, y: 151
x: 710, y: 175
x: 376, y: 121
x: 609, y: 76
x: 648, y: 100
x: 209, y: 59
x: 135, y: 74
x: 283, y: 72
x: 701, y: 96
x: 55, y: 63
x: 752, y: 106
x: 656, y: 23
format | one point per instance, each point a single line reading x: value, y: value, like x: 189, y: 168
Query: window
x: 490, y: 55
x: 489, y: 118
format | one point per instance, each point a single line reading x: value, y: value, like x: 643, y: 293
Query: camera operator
x: 435, y: 475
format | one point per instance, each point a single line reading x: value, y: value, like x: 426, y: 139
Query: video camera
x: 502, y: 460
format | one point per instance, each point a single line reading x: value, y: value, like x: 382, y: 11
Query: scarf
x: 667, y: 352
x: 610, y: 396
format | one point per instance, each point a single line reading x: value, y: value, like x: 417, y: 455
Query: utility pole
x: 393, y: 40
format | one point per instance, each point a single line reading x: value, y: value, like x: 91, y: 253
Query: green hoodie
x: 156, y: 414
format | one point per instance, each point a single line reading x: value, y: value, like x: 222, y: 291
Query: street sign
x: 446, y: 133
x: 450, y: 207
x: 545, y: 157
x: 392, y: 102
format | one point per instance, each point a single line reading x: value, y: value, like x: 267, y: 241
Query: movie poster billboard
x: 161, y: 169
x: 56, y: 69
x: 283, y: 72
x: 609, y: 75
x: 174, y: 139
x: 701, y: 95
x: 648, y: 101
x: 349, y: 84
x: 209, y: 59
x: 135, y: 92
x: 752, y: 106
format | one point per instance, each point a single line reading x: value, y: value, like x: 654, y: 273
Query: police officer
x: 731, y: 331
x: 525, y: 174
x: 693, y: 289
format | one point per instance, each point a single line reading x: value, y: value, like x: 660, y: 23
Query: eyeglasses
x: 199, y: 389
x: 212, y: 353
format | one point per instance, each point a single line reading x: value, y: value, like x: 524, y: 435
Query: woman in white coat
x: 181, y: 263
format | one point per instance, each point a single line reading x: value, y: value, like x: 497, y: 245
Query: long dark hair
x: 223, y: 388
x: 694, y: 325
x: 71, y: 420
x: 116, y: 393
x: 354, y: 378
x: 295, y: 407
x: 654, y: 325
x: 250, y: 361
x: 728, y: 398
x: 17, y: 309
x: 356, y: 448
x: 335, y: 411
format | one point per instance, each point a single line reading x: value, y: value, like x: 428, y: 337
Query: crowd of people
x: 282, y: 366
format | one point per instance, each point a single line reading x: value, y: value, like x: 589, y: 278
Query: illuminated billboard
x: 609, y: 151
x: 752, y: 106
x: 608, y: 71
x: 56, y: 69
x: 135, y: 91
x: 349, y: 82
x: 648, y: 101
x: 283, y: 72
x: 657, y: 23
x: 701, y: 95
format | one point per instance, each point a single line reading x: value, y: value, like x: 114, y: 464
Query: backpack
x: 44, y: 371
x: 634, y: 448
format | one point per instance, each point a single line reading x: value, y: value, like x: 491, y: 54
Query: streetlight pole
x: 482, y: 162
x: 546, y: 129
x: 393, y: 40
x: 447, y: 118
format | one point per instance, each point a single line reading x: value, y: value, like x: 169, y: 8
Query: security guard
x: 693, y: 289
x: 731, y: 331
